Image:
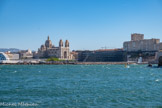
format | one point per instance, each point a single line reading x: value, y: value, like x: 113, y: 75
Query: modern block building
x: 107, y: 55
x: 8, y: 56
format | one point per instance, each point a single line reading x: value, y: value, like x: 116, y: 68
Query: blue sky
x: 87, y: 24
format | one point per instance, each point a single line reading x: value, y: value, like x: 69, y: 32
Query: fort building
x: 136, y: 37
x: 140, y: 47
x: 159, y: 46
x: 138, y: 43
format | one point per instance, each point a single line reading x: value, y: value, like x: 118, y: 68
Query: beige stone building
x: 49, y: 50
x: 159, y: 46
x: 26, y: 54
x: 137, y: 37
x: 138, y: 43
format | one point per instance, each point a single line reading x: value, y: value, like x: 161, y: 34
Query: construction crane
x: 104, y: 47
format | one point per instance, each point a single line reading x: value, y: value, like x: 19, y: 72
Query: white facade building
x: 8, y: 58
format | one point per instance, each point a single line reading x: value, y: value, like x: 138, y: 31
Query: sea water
x: 81, y: 86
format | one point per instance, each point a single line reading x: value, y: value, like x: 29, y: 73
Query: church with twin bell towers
x: 49, y: 50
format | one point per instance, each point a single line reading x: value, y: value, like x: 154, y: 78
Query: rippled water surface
x: 82, y: 86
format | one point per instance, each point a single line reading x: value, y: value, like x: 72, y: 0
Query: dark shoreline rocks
x: 160, y: 62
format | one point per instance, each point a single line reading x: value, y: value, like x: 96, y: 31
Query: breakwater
x: 72, y: 63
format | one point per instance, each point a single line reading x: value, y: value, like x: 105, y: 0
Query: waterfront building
x: 106, y: 55
x: 138, y: 43
x: 8, y: 56
x: 26, y: 54
x: 49, y: 50
x: 140, y: 47
x: 74, y: 55
x: 3, y: 56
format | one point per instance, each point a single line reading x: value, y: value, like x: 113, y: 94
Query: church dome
x: 48, y: 43
x: 66, y: 43
x: 43, y: 47
x: 53, y: 46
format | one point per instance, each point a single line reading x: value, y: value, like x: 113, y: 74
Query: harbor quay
x: 137, y: 50
x: 68, y: 63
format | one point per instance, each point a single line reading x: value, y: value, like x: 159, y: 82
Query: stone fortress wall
x: 138, y: 43
x: 136, y: 37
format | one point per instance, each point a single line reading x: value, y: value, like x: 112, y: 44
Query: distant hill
x: 9, y: 49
